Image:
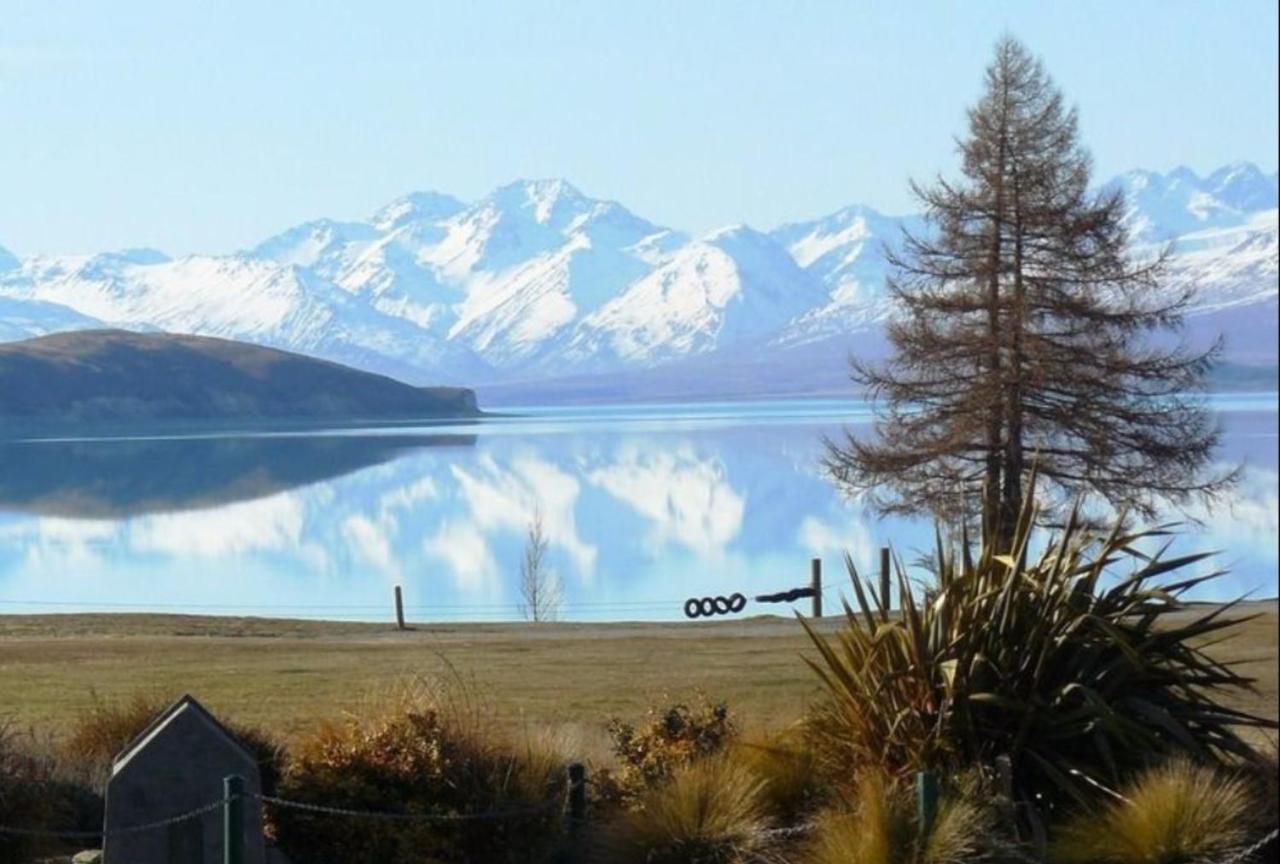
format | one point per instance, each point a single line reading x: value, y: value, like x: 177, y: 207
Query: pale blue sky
x: 207, y: 126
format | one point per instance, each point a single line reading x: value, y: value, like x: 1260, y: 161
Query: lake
x: 643, y: 506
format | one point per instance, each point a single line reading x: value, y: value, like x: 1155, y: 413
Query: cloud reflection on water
x: 638, y: 516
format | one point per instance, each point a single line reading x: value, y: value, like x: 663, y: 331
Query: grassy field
x: 285, y: 674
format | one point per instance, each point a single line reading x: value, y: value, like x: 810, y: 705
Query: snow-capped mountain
x: 538, y: 281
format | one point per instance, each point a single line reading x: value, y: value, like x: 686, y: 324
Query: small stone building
x: 177, y: 764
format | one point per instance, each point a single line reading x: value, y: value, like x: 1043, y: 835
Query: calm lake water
x: 643, y: 506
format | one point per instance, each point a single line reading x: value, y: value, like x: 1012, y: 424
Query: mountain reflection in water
x: 642, y: 506
x: 124, y: 477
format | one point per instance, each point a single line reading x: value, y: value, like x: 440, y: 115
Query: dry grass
x: 1175, y: 813
x: 709, y: 812
x: 282, y: 675
x: 879, y: 827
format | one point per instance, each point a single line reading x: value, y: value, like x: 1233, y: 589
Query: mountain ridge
x: 538, y: 281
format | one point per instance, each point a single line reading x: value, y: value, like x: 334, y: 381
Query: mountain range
x: 538, y: 291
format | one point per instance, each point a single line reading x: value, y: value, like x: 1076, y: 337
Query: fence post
x: 816, y: 582
x: 399, y: 609
x: 577, y: 808
x: 233, y: 819
x: 926, y: 801
x: 884, y: 576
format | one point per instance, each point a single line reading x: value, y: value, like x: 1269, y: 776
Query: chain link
x: 492, y: 815
x: 1244, y: 856
x: 118, y: 832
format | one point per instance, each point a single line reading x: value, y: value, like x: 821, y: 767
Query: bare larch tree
x: 540, y: 593
x: 1027, y: 331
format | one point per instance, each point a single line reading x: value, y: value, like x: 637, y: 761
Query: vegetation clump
x: 708, y: 811
x: 1174, y: 813
x: 668, y: 739
x: 880, y: 827
x: 1078, y: 675
x: 435, y: 767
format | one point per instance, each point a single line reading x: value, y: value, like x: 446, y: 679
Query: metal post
x: 399, y: 609
x: 926, y: 801
x: 233, y: 819
x: 884, y: 576
x: 816, y: 582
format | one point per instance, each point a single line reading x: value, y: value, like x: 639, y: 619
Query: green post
x: 233, y: 819
x: 926, y: 801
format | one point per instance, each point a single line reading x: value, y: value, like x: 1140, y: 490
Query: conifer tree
x: 1026, y: 331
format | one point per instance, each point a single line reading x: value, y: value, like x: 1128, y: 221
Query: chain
x: 1244, y: 855
x: 793, y: 831
x: 118, y: 832
x: 492, y: 815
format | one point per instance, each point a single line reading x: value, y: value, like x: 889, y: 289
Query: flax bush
x: 1082, y: 665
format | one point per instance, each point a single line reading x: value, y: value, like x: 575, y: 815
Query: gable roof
x: 185, y: 705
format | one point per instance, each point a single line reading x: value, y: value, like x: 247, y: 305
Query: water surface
x: 643, y: 506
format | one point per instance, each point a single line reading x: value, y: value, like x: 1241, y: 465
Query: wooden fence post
x: 577, y: 809
x: 884, y: 576
x: 816, y: 582
x: 233, y: 819
x: 399, y: 609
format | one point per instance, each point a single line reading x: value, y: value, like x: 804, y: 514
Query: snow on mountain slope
x: 22, y: 319
x: 732, y: 287
x: 538, y: 281
x: 8, y: 261
x: 845, y: 251
x: 1163, y: 206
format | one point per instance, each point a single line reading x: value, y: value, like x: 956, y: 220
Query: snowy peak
x: 416, y: 207
x: 1162, y: 206
x: 539, y: 280
x: 8, y: 261
x: 1244, y: 187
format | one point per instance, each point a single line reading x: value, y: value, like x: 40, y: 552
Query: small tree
x: 1025, y: 334
x: 540, y: 592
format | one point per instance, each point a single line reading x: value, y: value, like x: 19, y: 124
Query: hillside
x: 114, y: 375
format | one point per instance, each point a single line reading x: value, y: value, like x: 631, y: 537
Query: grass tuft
x: 709, y: 812
x: 1174, y: 813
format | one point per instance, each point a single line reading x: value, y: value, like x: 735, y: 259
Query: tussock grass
x: 1175, y: 813
x: 880, y: 827
x: 709, y: 812
x: 788, y: 769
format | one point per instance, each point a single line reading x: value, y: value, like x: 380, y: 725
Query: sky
x: 198, y: 127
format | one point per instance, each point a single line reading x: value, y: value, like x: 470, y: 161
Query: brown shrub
x: 668, y: 739
x: 416, y: 755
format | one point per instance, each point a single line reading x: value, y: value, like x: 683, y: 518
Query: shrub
x: 34, y: 796
x: 1172, y: 814
x: 416, y: 756
x: 881, y: 828
x: 1078, y: 679
x: 707, y: 812
x: 668, y: 739
x: 105, y: 728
